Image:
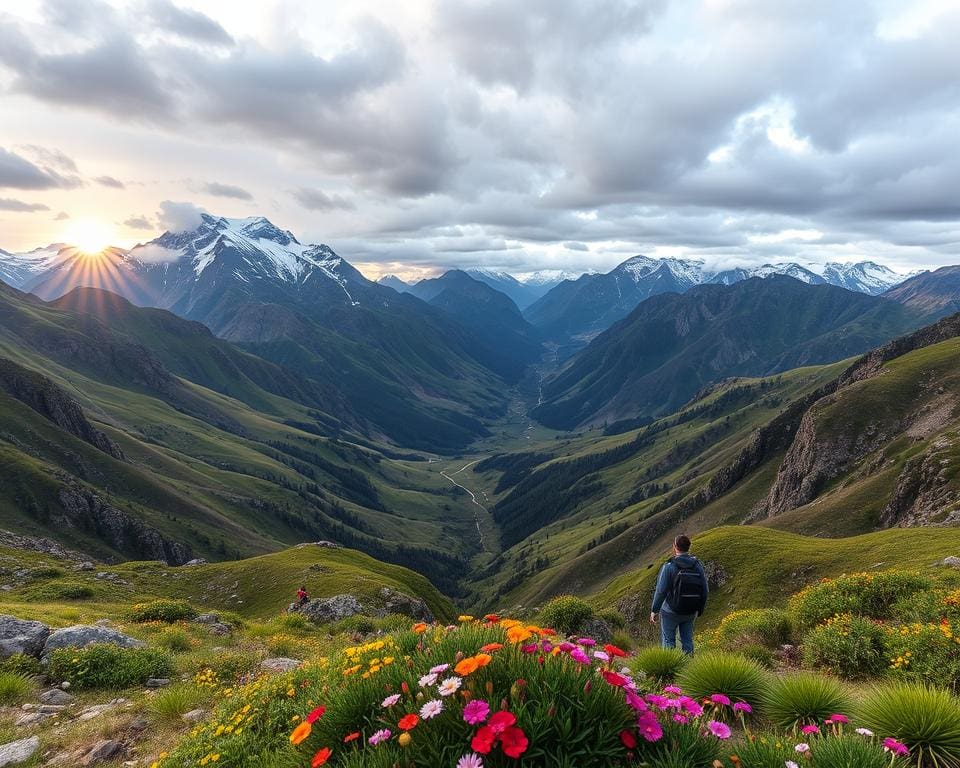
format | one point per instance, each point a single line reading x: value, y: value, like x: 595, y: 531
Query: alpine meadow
x: 479, y: 384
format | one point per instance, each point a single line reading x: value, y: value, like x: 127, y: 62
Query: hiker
x: 680, y: 596
x: 302, y: 598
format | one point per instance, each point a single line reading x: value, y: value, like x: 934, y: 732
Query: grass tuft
x: 727, y: 673
x: 802, y: 699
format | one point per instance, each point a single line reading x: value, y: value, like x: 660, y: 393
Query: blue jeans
x: 670, y: 623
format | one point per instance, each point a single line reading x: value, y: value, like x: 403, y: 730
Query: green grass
x: 805, y: 698
x: 16, y: 688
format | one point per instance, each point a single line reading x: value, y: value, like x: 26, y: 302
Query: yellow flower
x: 465, y: 618
x: 404, y: 739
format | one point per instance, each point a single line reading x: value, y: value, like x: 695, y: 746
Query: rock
x: 66, y: 759
x: 55, y: 696
x: 716, y: 574
x: 51, y: 709
x: 86, y: 565
x: 157, y: 682
x: 20, y: 636
x: 398, y: 602
x: 65, y: 685
x: 322, y: 544
x: 80, y: 636
x: 279, y: 664
x: 220, y: 630
x: 599, y: 629
x: 31, y: 718
x: 332, y: 609
x: 951, y: 562
x: 193, y: 716
x: 103, y: 623
x: 18, y: 751
x: 207, y: 618
x: 102, y: 750
x: 94, y: 711
x: 139, y: 724
x: 196, y: 561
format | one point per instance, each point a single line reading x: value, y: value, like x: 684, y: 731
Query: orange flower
x: 351, y: 737
x: 301, y: 732
x: 408, y: 722
x: 420, y: 628
x: 483, y: 659
x: 466, y: 666
x: 508, y: 623
x: 518, y: 634
x: 321, y: 757
x: 492, y: 647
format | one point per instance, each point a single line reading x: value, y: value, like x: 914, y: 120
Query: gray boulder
x: 951, y: 562
x: 81, y: 635
x: 332, y: 609
x: 398, y: 602
x: 102, y: 750
x: 56, y: 697
x: 20, y: 636
x: 279, y: 665
x: 18, y: 751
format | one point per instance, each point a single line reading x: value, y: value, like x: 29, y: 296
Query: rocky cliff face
x: 54, y: 404
x: 925, y: 493
x: 84, y: 510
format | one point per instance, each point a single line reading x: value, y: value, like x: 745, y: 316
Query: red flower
x: 502, y: 720
x: 404, y: 687
x: 514, y: 742
x: 351, y: 737
x: 613, y: 678
x: 321, y: 757
x: 614, y: 651
x: 492, y: 618
x: 316, y: 714
x: 408, y: 722
x: 483, y: 740
x: 628, y: 739
x: 492, y: 647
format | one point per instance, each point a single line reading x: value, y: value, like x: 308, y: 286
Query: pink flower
x: 682, y: 719
x: 649, y: 726
x: 742, y: 706
x: 690, y: 706
x: 431, y: 709
x: 427, y: 680
x: 567, y: 647
x: 587, y: 642
x: 865, y: 732
x: 472, y: 760
x: 635, y: 702
x: 439, y: 669
x: 802, y: 748
x: 808, y: 729
x: 579, y: 656
x: 382, y: 735
x: 718, y: 729
x: 602, y: 656
x: 476, y: 711
x: 532, y: 648
x: 898, y: 748
x: 791, y: 764
x: 390, y: 701
x: 660, y: 702
x: 839, y: 719
x: 720, y: 699
x: 672, y: 689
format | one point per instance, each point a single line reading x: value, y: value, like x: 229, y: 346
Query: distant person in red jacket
x: 302, y: 597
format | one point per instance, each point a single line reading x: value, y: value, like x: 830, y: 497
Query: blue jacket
x: 665, y: 581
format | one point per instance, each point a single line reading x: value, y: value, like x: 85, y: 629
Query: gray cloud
x: 187, y: 22
x: 18, y: 206
x: 139, y: 222
x: 179, y: 217
x: 51, y: 157
x: 19, y: 173
x: 226, y: 190
x: 318, y: 200
x: 109, y: 181
x: 62, y: 216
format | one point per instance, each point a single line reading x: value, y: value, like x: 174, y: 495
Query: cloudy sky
x: 514, y: 134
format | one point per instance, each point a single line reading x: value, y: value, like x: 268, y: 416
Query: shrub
x: 170, y: 704
x: 294, y: 621
x: 228, y: 667
x: 924, y: 652
x: 566, y: 614
x: 356, y: 624
x: 107, y: 666
x: 169, y: 611
x: 613, y: 617
x: 765, y: 627
x: 805, y: 698
x: 46, y: 572
x: 623, y: 639
x: 21, y: 663
x: 60, y: 590
x: 849, y: 646
x: 16, y: 688
x: 661, y: 664
x: 174, y: 639
x: 730, y: 674
x: 926, y: 719
x: 874, y: 595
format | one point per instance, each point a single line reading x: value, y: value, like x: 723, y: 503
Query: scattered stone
x: 220, y: 630
x: 51, y: 709
x: 158, y: 682
x: 193, y: 716
x: 81, y: 635
x: 30, y: 718
x: 102, y: 750
x: 66, y: 759
x: 94, y: 711
x: 21, y: 636
x: 18, y: 751
x: 332, y: 609
x: 196, y: 561
x: 951, y: 562
x: 207, y: 618
x: 716, y: 574
x: 65, y: 685
x: 55, y: 696
x: 139, y: 724
x: 599, y: 629
x: 103, y: 623
x: 279, y: 665
x: 86, y: 565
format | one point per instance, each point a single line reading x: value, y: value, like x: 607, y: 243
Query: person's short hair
x: 682, y: 543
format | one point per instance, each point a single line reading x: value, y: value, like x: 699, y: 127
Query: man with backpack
x: 680, y: 596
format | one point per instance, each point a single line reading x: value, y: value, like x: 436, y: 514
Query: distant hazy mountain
x: 674, y: 344
x: 578, y: 310
x: 16, y: 269
x: 392, y: 281
x: 522, y: 292
x: 490, y: 314
x: 935, y: 294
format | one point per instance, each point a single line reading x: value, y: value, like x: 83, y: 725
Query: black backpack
x: 688, y: 592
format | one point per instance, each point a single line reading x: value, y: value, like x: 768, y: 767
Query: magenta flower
x: 720, y: 699
x: 690, y: 706
x: 718, y: 729
x: 842, y: 719
x: 635, y: 702
x: 898, y: 748
x: 660, y: 702
x: 567, y: 647
x: 742, y: 706
x: 809, y: 729
x: 682, y: 719
x: 476, y: 711
x: 579, y: 656
x: 649, y: 726
x: 672, y: 689
x: 532, y: 648
x: 589, y: 642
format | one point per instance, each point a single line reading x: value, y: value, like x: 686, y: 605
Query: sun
x: 90, y: 236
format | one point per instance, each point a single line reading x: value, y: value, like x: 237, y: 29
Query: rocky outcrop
x: 924, y: 494
x: 82, y: 635
x: 17, y: 752
x: 54, y: 404
x: 84, y: 510
x: 279, y: 665
x: 398, y: 602
x: 44, y: 546
x: 332, y: 609
x: 327, y: 610
x: 20, y: 636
